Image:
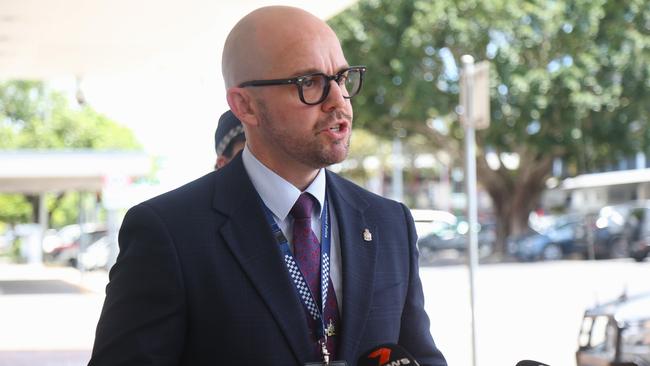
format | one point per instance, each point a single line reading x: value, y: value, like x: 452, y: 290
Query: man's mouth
x: 338, y: 128
x: 338, y: 125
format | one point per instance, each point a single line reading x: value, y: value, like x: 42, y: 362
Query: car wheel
x: 552, y: 252
x: 426, y: 255
x: 639, y: 256
x: 484, y: 250
x: 619, y: 249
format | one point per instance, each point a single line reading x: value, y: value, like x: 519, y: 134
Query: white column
x: 35, y: 239
x: 640, y: 160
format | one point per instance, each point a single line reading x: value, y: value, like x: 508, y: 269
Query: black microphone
x: 530, y: 363
x: 387, y: 354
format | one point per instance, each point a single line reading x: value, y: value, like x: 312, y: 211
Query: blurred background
x: 104, y: 104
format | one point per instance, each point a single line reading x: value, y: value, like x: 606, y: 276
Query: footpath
x: 48, y: 314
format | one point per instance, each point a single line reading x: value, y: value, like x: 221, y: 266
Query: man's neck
x: 298, y: 174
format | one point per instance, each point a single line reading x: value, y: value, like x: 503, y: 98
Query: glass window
x: 599, y: 332
x: 583, y: 340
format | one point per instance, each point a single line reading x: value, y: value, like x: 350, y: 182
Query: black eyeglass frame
x: 300, y: 79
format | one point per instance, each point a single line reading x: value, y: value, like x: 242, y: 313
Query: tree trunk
x: 54, y: 206
x: 514, y: 194
x: 33, y: 201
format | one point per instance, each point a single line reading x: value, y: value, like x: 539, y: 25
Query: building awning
x: 619, y: 177
x: 41, y: 171
x: 48, y: 39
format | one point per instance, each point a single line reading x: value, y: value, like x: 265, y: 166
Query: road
x: 524, y: 310
x: 48, y: 315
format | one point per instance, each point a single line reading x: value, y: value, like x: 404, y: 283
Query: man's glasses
x: 314, y: 88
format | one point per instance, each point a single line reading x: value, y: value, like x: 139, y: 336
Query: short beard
x: 304, y: 151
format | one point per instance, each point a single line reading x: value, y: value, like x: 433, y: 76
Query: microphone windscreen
x: 388, y: 354
x: 530, y: 363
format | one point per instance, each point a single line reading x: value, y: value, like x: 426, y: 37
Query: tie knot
x: 303, y: 207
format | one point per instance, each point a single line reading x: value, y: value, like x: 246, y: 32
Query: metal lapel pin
x: 367, y: 236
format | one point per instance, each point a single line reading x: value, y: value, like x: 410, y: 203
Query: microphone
x: 530, y: 363
x: 387, y: 354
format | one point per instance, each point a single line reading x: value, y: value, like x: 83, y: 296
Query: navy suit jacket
x: 200, y: 280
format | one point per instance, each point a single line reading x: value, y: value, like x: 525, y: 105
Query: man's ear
x: 242, y: 106
x: 221, y: 162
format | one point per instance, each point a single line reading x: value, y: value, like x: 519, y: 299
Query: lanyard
x: 300, y: 285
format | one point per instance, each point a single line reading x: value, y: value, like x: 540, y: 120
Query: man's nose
x: 334, y: 99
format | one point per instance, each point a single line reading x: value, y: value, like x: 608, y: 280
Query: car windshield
x: 433, y: 222
x: 432, y: 227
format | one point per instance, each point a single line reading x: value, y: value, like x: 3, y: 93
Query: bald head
x: 257, y: 46
x: 269, y: 49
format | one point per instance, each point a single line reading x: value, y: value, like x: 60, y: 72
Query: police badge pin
x: 367, y: 236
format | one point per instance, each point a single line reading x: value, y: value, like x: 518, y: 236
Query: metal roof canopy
x: 49, y: 39
x: 117, y: 38
x: 618, y: 177
x: 34, y: 171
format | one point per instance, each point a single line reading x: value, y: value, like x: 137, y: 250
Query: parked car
x: 620, y: 231
x: 563, y: 238
x: 444, y: 231
x: 616, y: 333
x: 55, y: 240
x: 432, y: 222
x: 487, y: 236
x: 636, y: 233
x: 96, y: 255
x: 601, y: 234
x: 72, y: 241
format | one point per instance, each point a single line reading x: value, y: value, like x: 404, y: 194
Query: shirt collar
x: 277, y: 193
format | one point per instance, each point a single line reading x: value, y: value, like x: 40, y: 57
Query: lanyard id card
x: 326, y: 357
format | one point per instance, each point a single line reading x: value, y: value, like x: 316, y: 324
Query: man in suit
x: 229, y: 139
x: 271, y: 260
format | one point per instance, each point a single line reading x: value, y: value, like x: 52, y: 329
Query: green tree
x: 569, y: 80
x: 34, y: 117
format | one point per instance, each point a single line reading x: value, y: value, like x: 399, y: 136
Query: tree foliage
x: 34, y: 117
x: 569, y: 80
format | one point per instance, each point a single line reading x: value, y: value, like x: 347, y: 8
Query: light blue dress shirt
x: 279, y: 196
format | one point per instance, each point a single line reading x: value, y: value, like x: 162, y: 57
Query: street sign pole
x: 467, y: 103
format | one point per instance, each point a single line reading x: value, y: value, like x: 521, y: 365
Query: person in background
x: 229, y: 139
x: 272, y: 259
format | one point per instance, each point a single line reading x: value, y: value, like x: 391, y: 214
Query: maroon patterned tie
x: 307, y: 254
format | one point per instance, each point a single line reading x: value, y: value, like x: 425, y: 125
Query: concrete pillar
x: 113, y: 223
x: 640, y: 160
x: 34, y: 241
x: 640, y: 192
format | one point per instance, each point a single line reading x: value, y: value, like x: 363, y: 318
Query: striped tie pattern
x: 307, y: 252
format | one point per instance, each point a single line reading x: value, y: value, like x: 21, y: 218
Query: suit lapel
x: 358, y: 265
x: 249, y: 237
